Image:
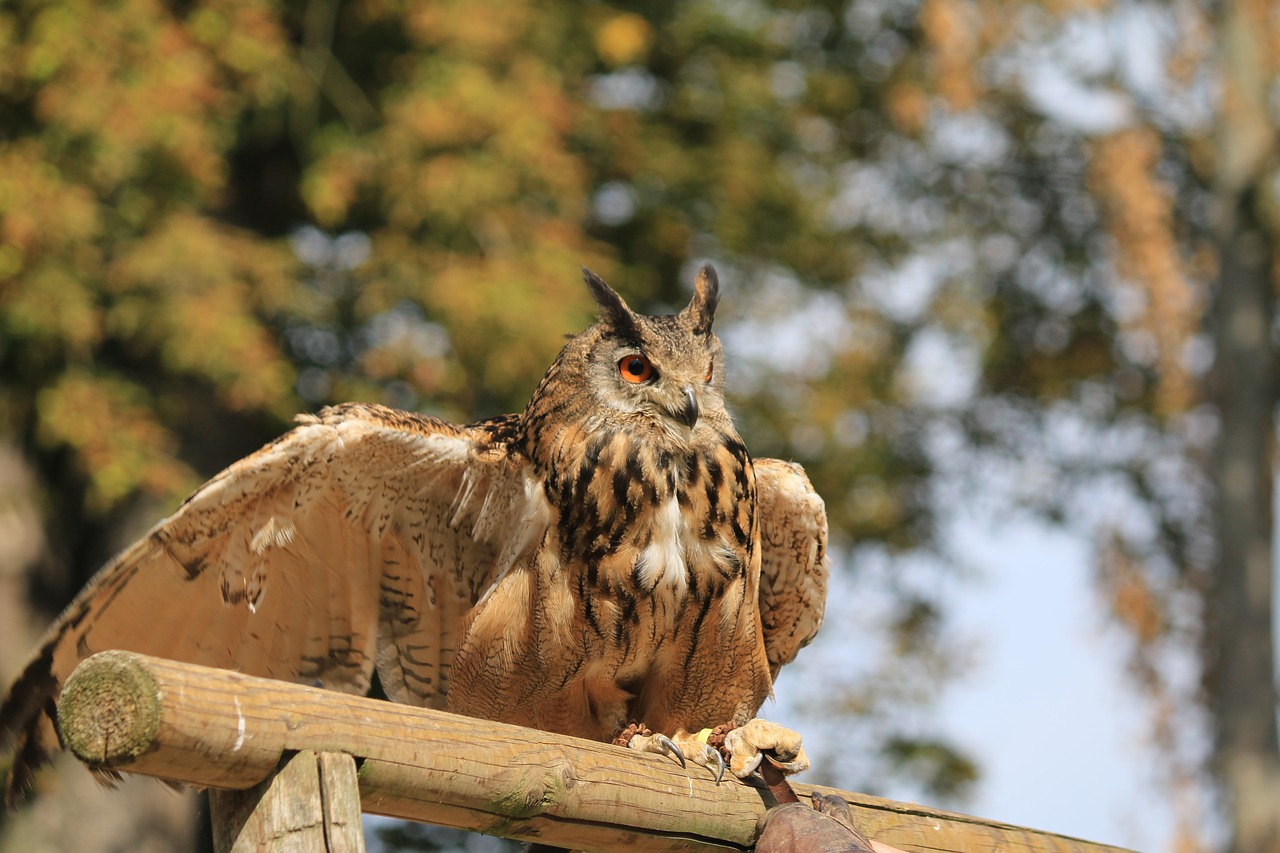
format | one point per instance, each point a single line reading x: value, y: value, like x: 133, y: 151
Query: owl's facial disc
x: 660, y: 366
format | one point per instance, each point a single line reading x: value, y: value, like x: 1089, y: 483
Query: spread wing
x: 357, y: 540
x: 793, y: 559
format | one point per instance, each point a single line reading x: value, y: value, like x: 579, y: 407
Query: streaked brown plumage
x: 594, y: 560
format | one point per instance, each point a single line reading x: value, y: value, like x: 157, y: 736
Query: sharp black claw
x: 713, y: 754
x: 670, y: 745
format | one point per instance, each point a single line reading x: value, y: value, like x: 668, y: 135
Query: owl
x: 610, y: 563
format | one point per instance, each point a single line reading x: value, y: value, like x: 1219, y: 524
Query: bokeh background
x: 1000, y: 275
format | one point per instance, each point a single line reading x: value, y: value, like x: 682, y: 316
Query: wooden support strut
x: 311, y: 803
x: 220, y: 729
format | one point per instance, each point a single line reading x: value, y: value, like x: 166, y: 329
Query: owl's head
x: 665, y: 371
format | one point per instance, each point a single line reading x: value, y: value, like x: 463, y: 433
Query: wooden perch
x: 220, y: 729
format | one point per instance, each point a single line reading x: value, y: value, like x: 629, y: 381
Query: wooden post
x: 221, y: 729
x: 311, y: 803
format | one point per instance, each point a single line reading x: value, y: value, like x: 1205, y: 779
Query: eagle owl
x: 612, y: 555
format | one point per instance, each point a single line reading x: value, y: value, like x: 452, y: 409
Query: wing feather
x: 793, y: 559
x: 357, y: 540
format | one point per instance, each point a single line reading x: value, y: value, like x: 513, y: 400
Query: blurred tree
x: 1240, y: 662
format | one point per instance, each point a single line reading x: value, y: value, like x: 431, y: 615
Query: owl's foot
x: 744, y: 746
x: 681, y: 746
x: 749, y: 743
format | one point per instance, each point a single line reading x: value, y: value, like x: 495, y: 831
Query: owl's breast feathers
x: 649, y: 521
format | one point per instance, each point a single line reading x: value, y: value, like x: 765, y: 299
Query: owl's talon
x: 651, y: 742
x: 670, y: 746
x: 713, y: 756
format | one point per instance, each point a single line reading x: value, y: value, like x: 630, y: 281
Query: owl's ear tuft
x: 613, y: 311
x: 706, y: 296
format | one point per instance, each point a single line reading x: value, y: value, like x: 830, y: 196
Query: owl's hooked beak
x: 688, y: 413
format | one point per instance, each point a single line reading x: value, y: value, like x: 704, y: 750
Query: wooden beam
x: 221, y: 729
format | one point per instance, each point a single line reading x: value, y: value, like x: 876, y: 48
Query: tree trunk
x: 1241, y: 674
x: 1240, y: 660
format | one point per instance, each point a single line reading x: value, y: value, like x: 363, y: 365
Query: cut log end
x: 109, y: 712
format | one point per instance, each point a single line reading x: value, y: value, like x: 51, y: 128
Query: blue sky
x: 1061, y: 731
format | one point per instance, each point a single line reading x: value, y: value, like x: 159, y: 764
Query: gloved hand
x: 826, y: 827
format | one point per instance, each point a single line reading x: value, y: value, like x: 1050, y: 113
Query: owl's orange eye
x: 635, y: 368
x: 711, y: 368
